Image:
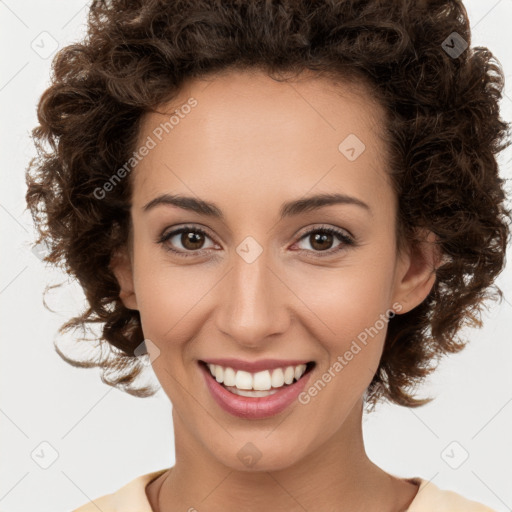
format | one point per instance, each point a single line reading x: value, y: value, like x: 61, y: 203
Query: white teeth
x: 278, y: 378
x: 262, y: 381
x: 299, y: 370
x: 289, y: 374
x: 251, y: 392
x: 229, y: 377
x: 243, y: 380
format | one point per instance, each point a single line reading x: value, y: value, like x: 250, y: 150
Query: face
x: 265, y: 272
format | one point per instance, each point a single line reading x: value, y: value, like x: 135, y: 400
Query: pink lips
x: 253, y: 407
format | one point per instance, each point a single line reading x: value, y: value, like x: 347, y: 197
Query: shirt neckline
x: 140, y: 483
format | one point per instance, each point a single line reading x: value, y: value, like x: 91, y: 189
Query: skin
x: 249, y: 145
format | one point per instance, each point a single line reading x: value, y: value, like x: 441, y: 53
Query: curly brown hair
x: 443, y: 130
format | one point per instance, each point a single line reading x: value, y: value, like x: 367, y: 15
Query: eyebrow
x: 288, y: 209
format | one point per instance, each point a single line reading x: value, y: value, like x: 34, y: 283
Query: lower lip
x: 253, y: 408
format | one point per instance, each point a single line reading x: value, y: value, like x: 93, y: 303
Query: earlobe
x: 417, y: 271
x: 121, y: 266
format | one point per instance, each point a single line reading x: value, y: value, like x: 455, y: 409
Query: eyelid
x: 325, y: 227
x: 176, y: 230
x: 344, y: 236
x: 346, y: 239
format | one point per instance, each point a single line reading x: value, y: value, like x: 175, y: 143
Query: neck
x: 336, y: 475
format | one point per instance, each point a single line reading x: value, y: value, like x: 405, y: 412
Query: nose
x: 254, y: 302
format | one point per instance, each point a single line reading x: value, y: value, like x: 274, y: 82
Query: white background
x: 104, y: 437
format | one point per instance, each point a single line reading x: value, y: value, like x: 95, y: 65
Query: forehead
x: 247, y: 131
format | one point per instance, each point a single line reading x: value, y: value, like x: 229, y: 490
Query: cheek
x: 169, y: 299
x: 347, y: 300
x: 350, y: 319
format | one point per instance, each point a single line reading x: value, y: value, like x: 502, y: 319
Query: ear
x: 121, y: 266
x: 416, y: 271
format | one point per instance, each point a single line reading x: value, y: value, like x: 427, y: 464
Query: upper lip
x: 255, y: 366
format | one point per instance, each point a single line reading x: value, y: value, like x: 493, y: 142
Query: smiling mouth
x: 257, y: 384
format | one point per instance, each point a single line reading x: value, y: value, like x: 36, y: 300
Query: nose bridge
x: 251, y: 305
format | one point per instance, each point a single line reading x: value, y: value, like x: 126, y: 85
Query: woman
x: 290, y: 209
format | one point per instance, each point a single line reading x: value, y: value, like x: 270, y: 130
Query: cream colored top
x: 132, y: 498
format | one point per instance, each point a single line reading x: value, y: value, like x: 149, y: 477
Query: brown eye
x: 191, y: 239
x: 321, y: 240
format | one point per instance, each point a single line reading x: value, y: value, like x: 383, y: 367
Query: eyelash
x: 343, y: 237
